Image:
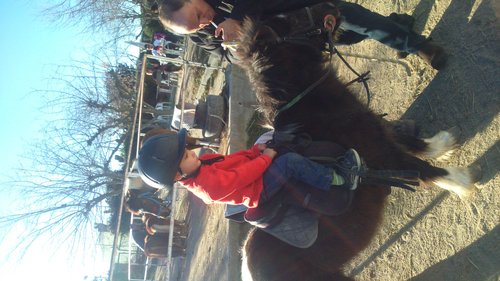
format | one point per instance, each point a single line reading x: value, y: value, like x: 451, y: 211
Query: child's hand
x: 229, y: 30
x: 270, y: 152
x: 261, y: 146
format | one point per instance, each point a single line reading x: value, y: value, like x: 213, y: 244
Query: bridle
x: 303, y: 36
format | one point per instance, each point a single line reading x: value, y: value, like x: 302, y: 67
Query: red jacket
x: 235, y: 180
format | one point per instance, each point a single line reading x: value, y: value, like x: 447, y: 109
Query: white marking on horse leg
x: 440, y: 146
x: 458, y: 180
x: 245, y: 271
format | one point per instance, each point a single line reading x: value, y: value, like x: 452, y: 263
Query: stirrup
x: 398, y: 178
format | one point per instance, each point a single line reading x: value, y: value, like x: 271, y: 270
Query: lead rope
x: 305, y: 92
x: 330, y: 28
x: 362, y: 78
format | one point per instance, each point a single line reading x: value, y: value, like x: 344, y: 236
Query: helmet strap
x: 183, y: 175
x: 203, y: 162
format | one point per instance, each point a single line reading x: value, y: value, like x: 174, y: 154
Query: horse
x: 283, y: 65
x: 146, y: 203
x: 156, y: 246
x: 156, y: 225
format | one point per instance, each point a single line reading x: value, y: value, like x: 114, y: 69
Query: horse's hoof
x: 433, y: 55
x: 476, y: 172
x: 403, y: 19
x: 459, y: 181
x: 440, y: 146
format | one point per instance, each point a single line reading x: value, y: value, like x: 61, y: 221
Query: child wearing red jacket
x: 248, y: 177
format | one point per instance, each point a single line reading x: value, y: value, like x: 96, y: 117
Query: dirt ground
x: 430, y: 234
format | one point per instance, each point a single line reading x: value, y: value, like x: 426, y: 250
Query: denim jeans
x: 294, y: 166
x: 358, y: 23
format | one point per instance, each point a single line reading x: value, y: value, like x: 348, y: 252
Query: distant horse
x: 282, y: 65
x: 156, y: 246
x: 156, y: 225
x: 146, y: 203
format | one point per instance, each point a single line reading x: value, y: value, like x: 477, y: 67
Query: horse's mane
x: 255, y: 64
x: 275, y: 78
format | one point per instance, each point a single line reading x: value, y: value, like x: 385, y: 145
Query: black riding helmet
x: 160, y: 157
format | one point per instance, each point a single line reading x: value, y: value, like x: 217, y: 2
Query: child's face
x: 189, y: 163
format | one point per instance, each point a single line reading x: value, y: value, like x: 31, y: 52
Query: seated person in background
x: 153, y: 67
x: 153, y: 49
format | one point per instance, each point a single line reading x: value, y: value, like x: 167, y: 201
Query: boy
x: 248, y: 177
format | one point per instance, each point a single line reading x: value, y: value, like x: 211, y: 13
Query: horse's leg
x: 456, y: 179
x: 366, y: 134
x: 439, y: 146
x: 181, y: 227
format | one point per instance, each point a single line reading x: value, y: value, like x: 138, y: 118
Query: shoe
x: 406, y: 21
x: 402, y: 55
x: 433, y: 55
x: 403, y: 19
x: 350, y: 166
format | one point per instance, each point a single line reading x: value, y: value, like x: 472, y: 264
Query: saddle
x: 291, y: 224
x: 284, y: 216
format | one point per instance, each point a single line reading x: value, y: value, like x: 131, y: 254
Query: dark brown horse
x: 281, y: 65
x: 146, y: 203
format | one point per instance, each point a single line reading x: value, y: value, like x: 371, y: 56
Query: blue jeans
x: 295, y: 166
x: 358, y: 23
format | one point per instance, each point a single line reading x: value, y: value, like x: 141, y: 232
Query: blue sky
x: 31, y: 48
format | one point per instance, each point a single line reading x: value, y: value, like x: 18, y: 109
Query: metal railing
x: 148, y: 263
x: 136, y: 127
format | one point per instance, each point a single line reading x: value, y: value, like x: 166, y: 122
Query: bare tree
x: 118, y: 18
x: 70, y: 177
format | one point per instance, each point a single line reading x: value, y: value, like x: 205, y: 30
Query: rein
x: 330, y: 26
x: 304, y: 93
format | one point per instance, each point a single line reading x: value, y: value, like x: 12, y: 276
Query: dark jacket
x: 238, y: 9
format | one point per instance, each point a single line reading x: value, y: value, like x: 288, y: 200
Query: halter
x: 303, y: 37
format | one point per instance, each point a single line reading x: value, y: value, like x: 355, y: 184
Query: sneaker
x: 403, y: 19
x: 433, y: 55
x: 350, y: 166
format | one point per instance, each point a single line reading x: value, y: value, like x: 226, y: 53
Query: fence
x: 136, y: 127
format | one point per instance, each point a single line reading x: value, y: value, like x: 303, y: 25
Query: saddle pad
x: 298, y: 228
x: 235, y: 212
